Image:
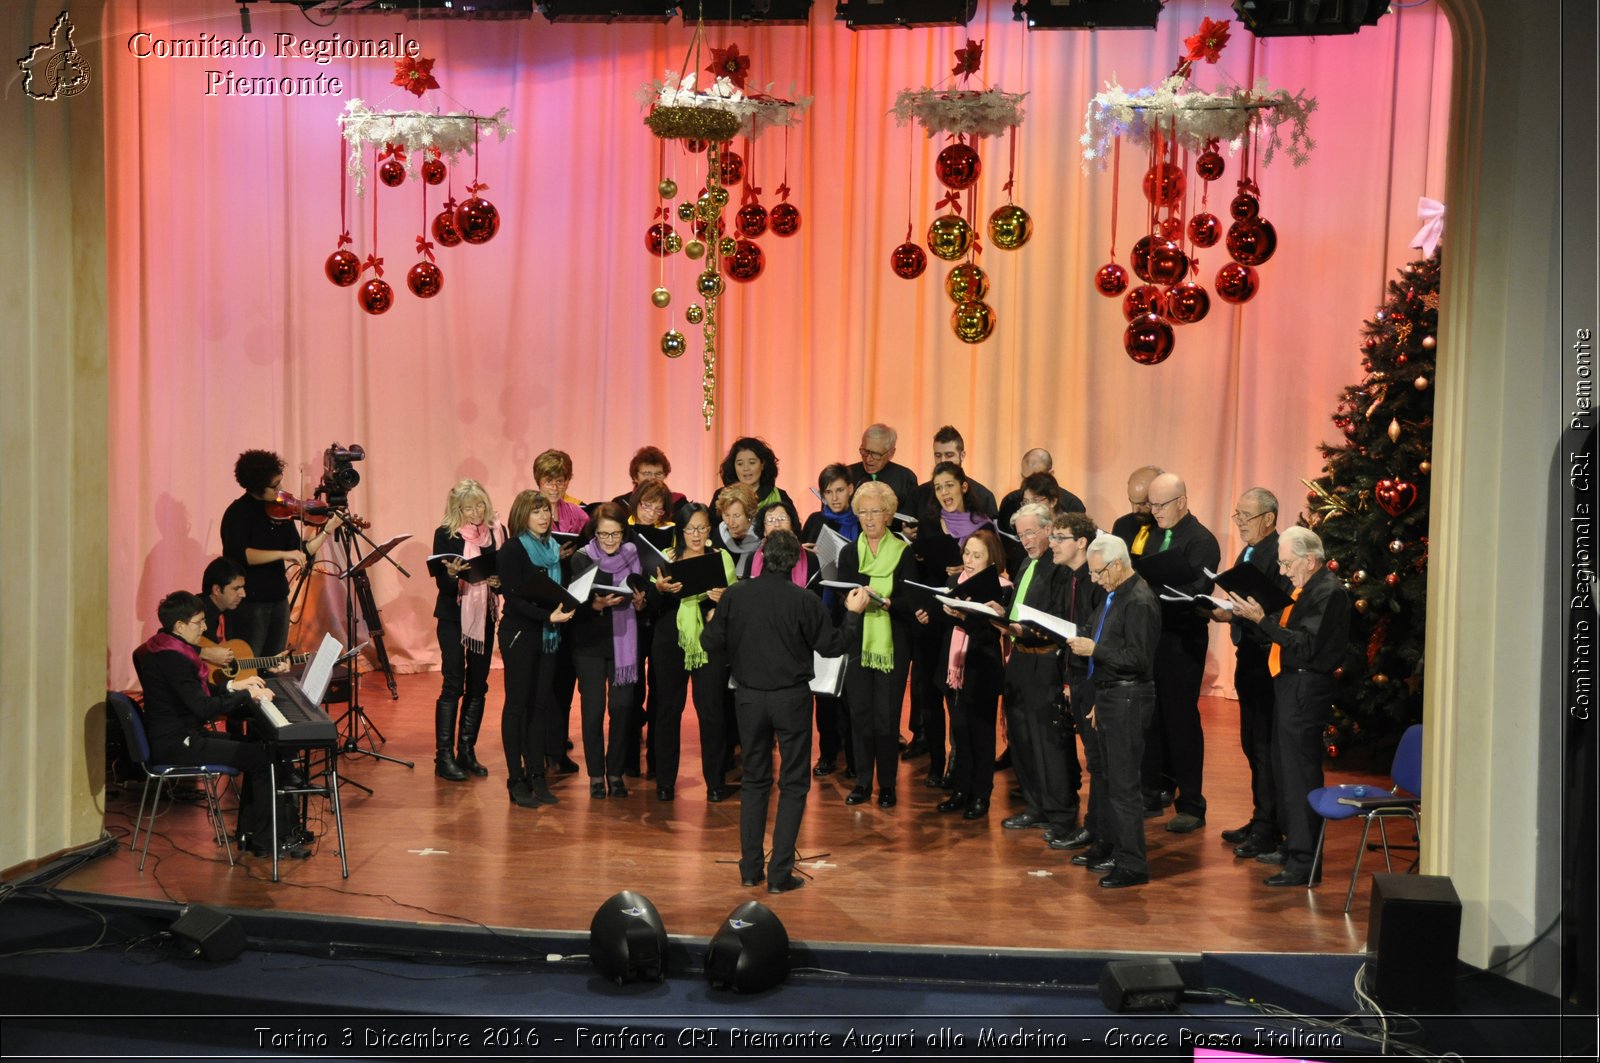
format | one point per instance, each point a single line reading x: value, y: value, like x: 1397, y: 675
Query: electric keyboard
x: 294, y: 719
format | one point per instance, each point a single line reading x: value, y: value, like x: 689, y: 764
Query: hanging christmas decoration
x: 425, y: 279
x: 1171, y: 120
x: 964, y: 115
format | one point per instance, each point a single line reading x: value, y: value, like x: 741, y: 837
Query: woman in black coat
x: 974, y: 678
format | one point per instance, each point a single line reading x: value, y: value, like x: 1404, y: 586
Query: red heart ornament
x: 1395, y: 496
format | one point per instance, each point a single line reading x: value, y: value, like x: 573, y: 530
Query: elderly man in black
x: 1256, y: 518
x: 1308, y: 640
x: 877, y: 463
x: 1121, y: 649
x: 769, y: 629
x: 1177, y: 744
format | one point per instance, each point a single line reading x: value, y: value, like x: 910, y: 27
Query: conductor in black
x: 769, y: 628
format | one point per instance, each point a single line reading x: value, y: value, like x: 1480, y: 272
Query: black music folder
x: 542, y: 590
x: 1169, y: 566
x: 699, y: 574
x: 1247, y: 581
x: 936, y: 552
x: 478, y: 568
x: 659, y: 538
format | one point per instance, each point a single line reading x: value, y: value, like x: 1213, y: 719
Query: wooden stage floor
x: 427, y: 850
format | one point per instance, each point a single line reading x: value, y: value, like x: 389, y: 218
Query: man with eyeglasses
x: 1134, y: 526
x: 1070, y: 536
x: 877, y: 462
x: 1176, y: 745
x: 1308, y: 639
x: 1255, y: 517
x: 1121, y: 649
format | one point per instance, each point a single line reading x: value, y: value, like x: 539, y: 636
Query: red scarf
x: 167, y: 642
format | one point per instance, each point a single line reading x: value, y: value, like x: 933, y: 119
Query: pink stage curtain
x: 225, y: 334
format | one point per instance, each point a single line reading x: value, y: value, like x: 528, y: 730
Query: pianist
x: 177, y: 706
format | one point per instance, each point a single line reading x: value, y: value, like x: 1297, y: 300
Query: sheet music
x: 830, y: 544
x: 582, y: 586
x: 961, y: 605
x: 1049, y: 621
x: 314, y: 682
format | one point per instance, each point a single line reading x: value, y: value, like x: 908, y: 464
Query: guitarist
x: 223, y: 590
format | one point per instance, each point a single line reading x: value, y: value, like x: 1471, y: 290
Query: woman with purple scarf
x: 605, y: 650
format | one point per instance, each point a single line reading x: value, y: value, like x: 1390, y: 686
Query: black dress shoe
x: 1237, y: 835
x: 824, y: 767
x: 262, y: 847
x: 1120, y: 878
x: 934, y: 781
x: 665, y: 793
x: 1092, y: 855
x: 1102, y: 866
x: 616, y: 787
x: 1252, y: 847
x: 1185, y: 823
x: 886, y: 799
x: 753, y: 880
x: 956, y: 802
x: 563, y: 765
x: 1022, y: 821
x: 978, y: 809
x: 1078, y: 839
x: 1277, y: 856
x: 849, y: 773
x: 915, y: 749
x: 597, y: 789
x: 1289, y: 878
x: 857, y: 796
x: 717, y: 794
x: 793, y: 882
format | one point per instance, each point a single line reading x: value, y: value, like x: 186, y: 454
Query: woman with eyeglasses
x: 676, y: 657
x: 833, y: 714
x: 771, y: 518
x: 530, y: 637
x: 875, y: 681
x: 752, y: 463
x: 648, y: 523
x: 974, y: 678
x: 605, y: 651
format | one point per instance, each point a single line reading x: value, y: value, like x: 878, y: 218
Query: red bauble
x: 655, y: 238
x: 1111, y: 280
x: 478, y: 220
x: 1395, y: 496
x: 1333, y: 563
x: 392, y: 173
x: 1163, y: 184
x: 1139, y: 257
x: 445, y: 233
x: 425, y: 279
x: 1209, y: 165
x: 1205, y: 230
x: 1170, y: 227
x: 1148, y: 340
x: 1236, y: 283
x: 784, y: 219
x: 1244, y: 206
x: 1252, y: 241
x: 434, y: 172
x: 1144, y: 300
x: 746, y: 262
x: 700, y: 226
x: 751, y: 220
x: 342, y: 268
x: 908, y: 261
x: 695, y: 147
x: 1168, y: 263
x: 375, y: 296
x: 1187, y: 303
x: 958, y: 166
x: 732, y: 168
x: 1392, y: 579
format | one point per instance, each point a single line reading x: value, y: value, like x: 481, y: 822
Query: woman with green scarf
x: 676, y: 655
x: 752, y: 463
x: 875, y: 683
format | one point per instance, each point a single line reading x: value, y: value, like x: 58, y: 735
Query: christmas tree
x: 1370, y: 506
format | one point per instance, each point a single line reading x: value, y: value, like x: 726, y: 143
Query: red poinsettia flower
x: 414, y: 75
x: 728, y: 63
x: 1208, y: 43
x: 968, y: 59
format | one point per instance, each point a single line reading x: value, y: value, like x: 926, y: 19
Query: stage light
x: 627, y: 940
x: 877, y: 14
x: 608, y: 10
x: 750, y: 950
x: 757, y: 13
x: 1308, y: 18
x: 1087, y: 14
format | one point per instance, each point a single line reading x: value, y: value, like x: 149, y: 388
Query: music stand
x: 358, y: 723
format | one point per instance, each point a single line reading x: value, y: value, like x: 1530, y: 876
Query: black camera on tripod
x: 339, y: 474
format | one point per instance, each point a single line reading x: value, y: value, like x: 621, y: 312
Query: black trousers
x: 671, y: 684
x: 1253, y: 683
x: 1080, y: 699
x: 263, y: 625
x: 1304, y: 707
x: 875, y: 699
x: 1039, y: 746
x: 529, y: 675
x: 972, y: 721
x: 251, y: 758
x: 1121, y: 716
x: 928, y: 670
x: 563, y: 686
x: 765, y: 715
x: 603, y: 746
x: 833, y: 730
x: 644, y: 707
x: 461, y: 671
x: 1176, y: 737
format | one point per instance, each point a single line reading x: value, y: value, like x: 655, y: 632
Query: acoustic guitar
x: 245, y: 662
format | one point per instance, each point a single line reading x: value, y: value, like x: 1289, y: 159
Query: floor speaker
x: 1140, y: 985
x: 1413, y: 935
x: 209, y: 934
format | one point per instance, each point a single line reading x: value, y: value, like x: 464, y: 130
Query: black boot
x: 522, y: 794
x: 444, y: 728
x: 541, y: 791
x: 471, y: 719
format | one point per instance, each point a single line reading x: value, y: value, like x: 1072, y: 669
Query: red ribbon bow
x: 374, y: 263
x: 396, y: 150
x: 424, y: 248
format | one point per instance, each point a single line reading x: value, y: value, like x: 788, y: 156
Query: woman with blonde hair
x: 465, y: 614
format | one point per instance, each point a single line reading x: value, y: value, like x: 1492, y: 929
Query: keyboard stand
x: 329, y: 788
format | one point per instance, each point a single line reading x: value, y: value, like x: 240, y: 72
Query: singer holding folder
x: 605, y: 649
x: 974, y: 676
x: 834, y: 489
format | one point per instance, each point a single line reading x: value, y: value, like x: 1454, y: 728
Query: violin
x: 310, y: 511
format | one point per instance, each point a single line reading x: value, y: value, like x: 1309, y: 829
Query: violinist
x: 261, y: 542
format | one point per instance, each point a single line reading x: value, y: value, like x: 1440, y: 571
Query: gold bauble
x: 1010, y: 227
x: 966, y: 284
x: 719, y: 196
x: 686, y: 211
x: 694, y: 249
x: 694, y: 314
x: 949, y: 237
x: 727, y: 247
x: 673, y: 243
x: 972, y: 321
x: 1394, y: 430
x: 709, y: 283
x: 1421, y: 383
x: 673, y: 344
x: 661, y: 298
x: 668, y: 188
x: 1424, y: 467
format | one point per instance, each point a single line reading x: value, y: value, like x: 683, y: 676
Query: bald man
x: 1176, y: 738
x: 1134, y: 526
x: 1036, y: 460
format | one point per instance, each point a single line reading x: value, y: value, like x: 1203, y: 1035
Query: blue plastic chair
x: 1374, y: 803
x: 210, y: 777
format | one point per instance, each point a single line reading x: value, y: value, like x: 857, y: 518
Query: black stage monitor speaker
x: 750, y: 950
x: 207, y: 933
x: 1413, y: 935
x: 627, y: 940
x: 1140, y: 985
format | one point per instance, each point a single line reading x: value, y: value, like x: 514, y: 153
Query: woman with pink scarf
x: 465, y: 612
x: 974, y: 676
